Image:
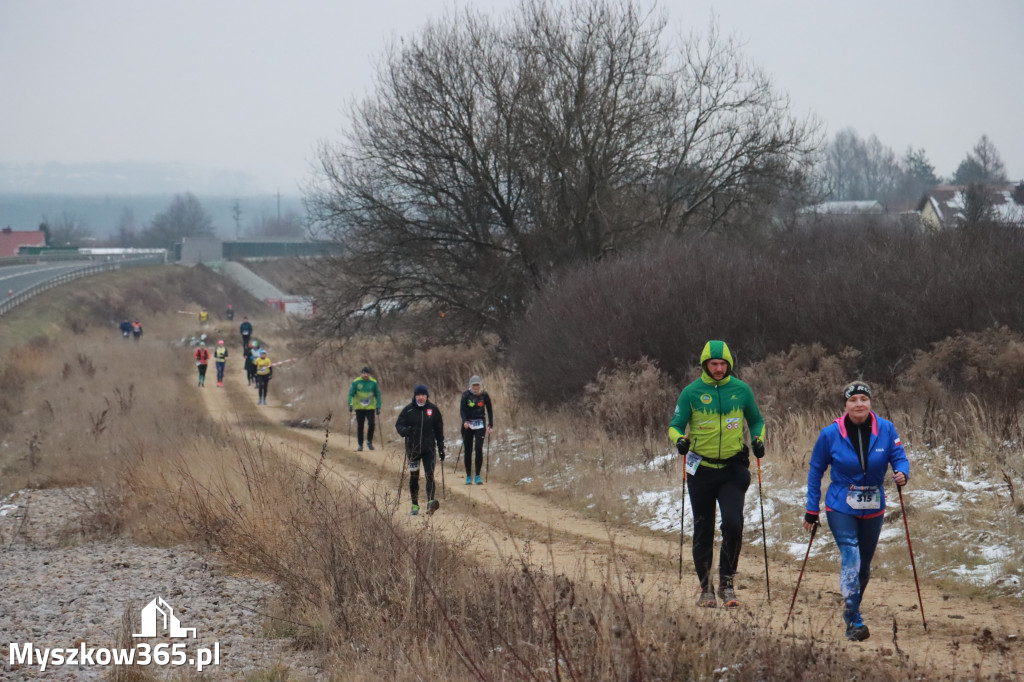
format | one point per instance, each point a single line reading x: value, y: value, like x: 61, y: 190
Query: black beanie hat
x: 856, y: 388
x: 421, y: 389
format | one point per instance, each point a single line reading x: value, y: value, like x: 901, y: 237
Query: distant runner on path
x: 264, y: 371
x: 202, y: 357
x: 246, y: 331
x: 364, y: 399
x: 474, y: 407
x: 220, y: 356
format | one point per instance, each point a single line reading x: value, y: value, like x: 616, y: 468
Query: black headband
x: 857, y: 388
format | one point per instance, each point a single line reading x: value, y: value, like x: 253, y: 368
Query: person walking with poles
x: 472, y: 407
x: 364, y: 400
x: 245, y: 329
x: 220, y: 356
x: 202, y: 357
x: 136, y: 330
x: 422, y: 427
x: 858, y: 448
x: 264, y: 371
x: 126, y: 329
x: 707, y: 429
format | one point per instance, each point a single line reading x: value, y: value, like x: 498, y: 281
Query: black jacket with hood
x: 421, y: 427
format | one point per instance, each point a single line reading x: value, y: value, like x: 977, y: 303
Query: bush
x: 631, y: 400
x: 885, y: 292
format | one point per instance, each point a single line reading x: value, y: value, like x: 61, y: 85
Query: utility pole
x: 278, y: 207
x: 236, y: 211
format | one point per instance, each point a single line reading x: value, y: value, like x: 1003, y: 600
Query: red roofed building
x: 12, y: 240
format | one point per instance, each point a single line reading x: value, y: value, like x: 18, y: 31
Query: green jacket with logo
x: 364, y: 394
x: 713, y: 412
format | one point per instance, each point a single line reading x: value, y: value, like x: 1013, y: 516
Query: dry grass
x: 383, y: 602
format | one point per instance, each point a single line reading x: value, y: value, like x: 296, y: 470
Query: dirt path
x: 496, y: 523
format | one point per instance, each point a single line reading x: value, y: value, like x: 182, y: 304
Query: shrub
x: 884, y: 292
x: 631, y: 400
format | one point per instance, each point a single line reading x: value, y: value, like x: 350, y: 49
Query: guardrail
x: 84, y: 271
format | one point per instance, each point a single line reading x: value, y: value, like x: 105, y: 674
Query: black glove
x: 757, y: 445
x: 440, y: 453
x: 350, y: 408
x: 378, y: 411
x: 683, y: 445
x: 812, y: 519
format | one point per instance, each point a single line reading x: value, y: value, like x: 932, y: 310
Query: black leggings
x: 727, y: 487
x: 426, y: 462
x: 469, y: 438
x: 367, y: 416
x: 262, y: 380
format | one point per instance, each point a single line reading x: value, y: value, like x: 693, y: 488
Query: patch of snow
x: 939, y: 500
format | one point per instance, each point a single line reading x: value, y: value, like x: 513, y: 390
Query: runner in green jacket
x: 364, y: 399
x: 708, y: 429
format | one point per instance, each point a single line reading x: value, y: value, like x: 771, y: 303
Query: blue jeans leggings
x: 857, y: 539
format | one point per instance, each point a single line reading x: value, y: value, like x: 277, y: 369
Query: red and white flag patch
x: 430, y: 412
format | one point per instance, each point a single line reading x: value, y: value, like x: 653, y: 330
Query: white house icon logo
x: 158, y: 617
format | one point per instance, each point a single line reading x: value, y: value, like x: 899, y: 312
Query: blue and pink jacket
x: 835, y: 450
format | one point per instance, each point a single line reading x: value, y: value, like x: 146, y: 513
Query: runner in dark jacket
x: 474, y: 406
x: 421, y: 425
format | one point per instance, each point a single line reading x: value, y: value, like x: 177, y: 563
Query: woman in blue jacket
x: 859, y: 447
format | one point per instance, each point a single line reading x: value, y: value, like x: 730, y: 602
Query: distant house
x: 943, y: 207
x: 836, y: 208
x: 856, y: 214
x: 12, y: 240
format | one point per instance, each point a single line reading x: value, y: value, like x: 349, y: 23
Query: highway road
x: 16, y: 278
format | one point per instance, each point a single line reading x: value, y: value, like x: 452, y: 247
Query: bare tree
x: 983, y: 164
x: 185, y: 217
x: 67, y: 230
x: 493, y: 154
x: 855, y: 169
x: 127, y: 229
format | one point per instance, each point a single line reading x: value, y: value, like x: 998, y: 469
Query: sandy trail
x: 496, y: 523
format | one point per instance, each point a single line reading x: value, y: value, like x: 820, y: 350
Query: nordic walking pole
x: 764, y: 536
x: 444, y: 490
x: 350, y: 430
x: 487, y: 471
x: 458, y: 457
x: 913, y: 565
x: 401, y: 474
x: 814, y: 529
x: 682, y: 516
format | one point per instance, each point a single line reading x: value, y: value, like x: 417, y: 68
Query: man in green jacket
x: 707, y: 429
x: 364, y: 399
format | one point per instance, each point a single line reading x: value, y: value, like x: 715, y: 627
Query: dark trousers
x: 220, y: 370
x: 425, y: 462
x: 245, y: 344
x: 725, y: 487
x: 471, y: 438
x: 365, y: 416
x: 202, y: 372
x: 262, y: 381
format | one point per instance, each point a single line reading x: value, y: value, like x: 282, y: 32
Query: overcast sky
x: 252, y: 85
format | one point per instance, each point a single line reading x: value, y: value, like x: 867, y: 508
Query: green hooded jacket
x: 364, y: 394
x: 713, y: 412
